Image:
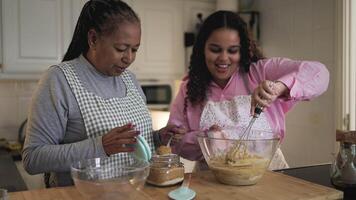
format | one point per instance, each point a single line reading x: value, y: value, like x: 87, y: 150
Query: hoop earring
x: 93, y: 46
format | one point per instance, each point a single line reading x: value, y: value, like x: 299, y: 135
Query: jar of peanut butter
x: 165, y: 170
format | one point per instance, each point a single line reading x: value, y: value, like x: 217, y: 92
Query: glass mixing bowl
x: 98, y: 179
x: 238, y: 162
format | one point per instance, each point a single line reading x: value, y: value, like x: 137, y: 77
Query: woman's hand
x: 172, y: 130
x: 266, y: 93
x: 215, y: 131
x: 120, y: 139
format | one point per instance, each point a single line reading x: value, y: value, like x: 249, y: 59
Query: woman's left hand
x: 266, y: 93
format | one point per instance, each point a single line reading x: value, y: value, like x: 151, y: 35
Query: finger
x: 265, y: 95
x: 214, y: 128
x: 125, y: 135
x: 177, y: 137
x: 123, y: 128
x: 179, y: 130
x: 113, y: 136
x: 114, y: 149
x: 258, y: 100
x: 116, y: 132
x: 165, y: 130
x: 121, y: 141
x: 263, y: 103
x: 175, y: 140
x: 268, y: 86
x: 253, y: 102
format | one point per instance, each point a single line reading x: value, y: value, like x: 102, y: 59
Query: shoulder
x: 53, y: 79
x: 53, y: 73
x: 281, y: 61
x: 268, y: 62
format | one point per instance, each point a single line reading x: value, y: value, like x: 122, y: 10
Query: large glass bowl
x: 238, y: 162
x: 98, y: 179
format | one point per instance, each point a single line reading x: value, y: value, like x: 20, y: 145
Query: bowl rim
x: 203, y: 135
x: 128, y: 169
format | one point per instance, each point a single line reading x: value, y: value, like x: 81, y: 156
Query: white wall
x: 304, y: 29
x: 14, y: 102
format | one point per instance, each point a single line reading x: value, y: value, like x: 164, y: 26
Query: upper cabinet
x: 35, y: 33
x: 161, y: 51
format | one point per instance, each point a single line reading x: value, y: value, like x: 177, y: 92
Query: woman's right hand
x: 266, y: 93
x: 120, y: 139
x: 171, y: 130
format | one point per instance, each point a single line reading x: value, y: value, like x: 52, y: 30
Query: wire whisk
x: 239, y: 149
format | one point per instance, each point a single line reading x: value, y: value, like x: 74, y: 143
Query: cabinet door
x: 161, y: 53
x: 35, y: 34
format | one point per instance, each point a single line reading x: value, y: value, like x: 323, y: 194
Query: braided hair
x: 104, y: 16
x: 199, y: 76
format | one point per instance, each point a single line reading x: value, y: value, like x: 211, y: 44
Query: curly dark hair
x: 199, y: 76
x: 104, y: 16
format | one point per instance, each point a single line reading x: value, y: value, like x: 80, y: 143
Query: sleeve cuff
x: 290, y: 82
x: 100, y: 148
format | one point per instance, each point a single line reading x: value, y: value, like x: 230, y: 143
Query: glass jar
x: 166, y: 170
x: 343, y: 171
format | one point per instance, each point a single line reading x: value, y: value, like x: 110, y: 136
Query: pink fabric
x: 305, y: 80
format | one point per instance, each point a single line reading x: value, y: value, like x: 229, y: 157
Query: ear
x: 92, y: 38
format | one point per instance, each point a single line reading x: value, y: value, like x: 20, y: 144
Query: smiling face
x: 222, y: 54
x: 112, y: 53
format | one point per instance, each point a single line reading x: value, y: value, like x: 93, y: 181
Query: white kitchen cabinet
x: 35, y: 33
x: 161, y: 54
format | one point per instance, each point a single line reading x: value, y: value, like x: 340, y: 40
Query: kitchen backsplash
x: 15, y: 99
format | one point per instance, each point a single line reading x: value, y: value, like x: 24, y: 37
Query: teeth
x: 223, y: 66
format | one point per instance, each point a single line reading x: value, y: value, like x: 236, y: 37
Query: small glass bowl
x: 97, y: 178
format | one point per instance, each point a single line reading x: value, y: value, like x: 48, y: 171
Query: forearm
x: 304, y: 79
x: 41, y: 158
x: 282, y: 91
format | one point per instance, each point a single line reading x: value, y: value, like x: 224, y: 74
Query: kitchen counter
x: 273, y: 185
x: 319, y: 174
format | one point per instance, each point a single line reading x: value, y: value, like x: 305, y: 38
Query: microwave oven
x: 159, y: 94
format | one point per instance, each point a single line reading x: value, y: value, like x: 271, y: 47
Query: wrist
x: 281, y: 89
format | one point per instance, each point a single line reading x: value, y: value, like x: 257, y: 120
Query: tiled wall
x: 15, y: 98
x: 304, y: 29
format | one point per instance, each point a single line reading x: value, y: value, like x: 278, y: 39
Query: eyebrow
x: 233, y: 46
x: 127, y: 45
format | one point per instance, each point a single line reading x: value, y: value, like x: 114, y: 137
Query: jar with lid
x: 343, y: 171
x: 166, y: 170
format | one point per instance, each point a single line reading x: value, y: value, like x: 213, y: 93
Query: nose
x: 223, y: 56
x: 128, y: 57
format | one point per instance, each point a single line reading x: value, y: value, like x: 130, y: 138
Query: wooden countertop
x: 273, y: 185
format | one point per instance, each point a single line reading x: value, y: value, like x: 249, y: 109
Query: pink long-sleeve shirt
x: 305, y: 80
